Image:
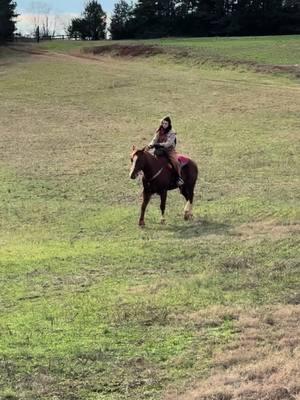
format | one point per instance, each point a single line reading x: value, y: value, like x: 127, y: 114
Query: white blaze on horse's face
x: 133, y: 173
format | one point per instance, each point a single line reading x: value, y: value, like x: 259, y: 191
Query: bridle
x: 155, y: 175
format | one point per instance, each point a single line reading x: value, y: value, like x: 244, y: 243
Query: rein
x: 156, y: 175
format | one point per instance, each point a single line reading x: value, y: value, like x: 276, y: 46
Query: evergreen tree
x: 166, y: 15
x: 92, y: 25
x: 290, y: 17
x: 122, y: 21
x: 78, y: 29
x: 155, y: 18
x: 7, y: 20
x: 95, y: 19
x: 158, y: 18
x: 147, y: 21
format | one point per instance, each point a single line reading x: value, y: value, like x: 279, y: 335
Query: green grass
x: 269, y: 50
x: 261, y: 49
x: 93, y: 307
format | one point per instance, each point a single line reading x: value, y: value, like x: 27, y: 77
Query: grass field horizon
x: 93, y: 307
x: 263, y: 50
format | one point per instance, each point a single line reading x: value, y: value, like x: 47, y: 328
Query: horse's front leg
x: 146, y: 199
x: 163, y: 199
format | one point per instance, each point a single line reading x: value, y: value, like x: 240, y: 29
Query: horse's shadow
x: 197, y: 227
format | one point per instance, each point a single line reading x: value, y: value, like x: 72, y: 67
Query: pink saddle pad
x: 183, y: 159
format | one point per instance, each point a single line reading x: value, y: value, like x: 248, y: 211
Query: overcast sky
x: 61, y: 11
x: 64, y: 6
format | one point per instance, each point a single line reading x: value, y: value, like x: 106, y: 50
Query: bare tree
x: 43, y: 18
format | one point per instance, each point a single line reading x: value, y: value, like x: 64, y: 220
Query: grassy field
x: 269, y: 50
x: 92, y: 307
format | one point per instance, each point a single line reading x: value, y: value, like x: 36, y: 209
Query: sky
x: 60, y: 14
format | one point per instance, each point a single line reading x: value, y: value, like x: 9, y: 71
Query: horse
x: 159, y: 177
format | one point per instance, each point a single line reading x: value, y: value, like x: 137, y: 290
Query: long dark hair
x: 161, y: 128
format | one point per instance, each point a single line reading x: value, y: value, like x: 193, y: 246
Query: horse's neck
x: 151, y: 165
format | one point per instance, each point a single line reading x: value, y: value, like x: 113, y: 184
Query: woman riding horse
x: 165, y: 138
x: 158, y: 177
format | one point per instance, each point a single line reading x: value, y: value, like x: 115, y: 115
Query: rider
x: 165, y: 137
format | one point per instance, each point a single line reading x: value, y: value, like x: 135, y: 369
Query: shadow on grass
x: 197, y: 227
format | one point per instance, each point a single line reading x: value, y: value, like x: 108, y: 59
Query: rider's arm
x: 170, y: 142
x: 154, y: 140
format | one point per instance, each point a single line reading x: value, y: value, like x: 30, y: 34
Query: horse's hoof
x: 141, y: 224
x: 187, y: 216
x: 163, y: 221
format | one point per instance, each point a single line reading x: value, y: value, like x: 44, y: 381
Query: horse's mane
x: 143, y: 150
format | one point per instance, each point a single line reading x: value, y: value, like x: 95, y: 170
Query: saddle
x: 182, y: 159
x: 160, y: 152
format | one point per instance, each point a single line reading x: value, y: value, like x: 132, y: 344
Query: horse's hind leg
x: 146, y: 199
x: 190, y: 178
x: 188, y: 209
x: 163, y: 199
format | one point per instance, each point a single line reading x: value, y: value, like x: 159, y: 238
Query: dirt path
x: 39, y: 53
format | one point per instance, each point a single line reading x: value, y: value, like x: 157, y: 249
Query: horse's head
x: 137, y: 162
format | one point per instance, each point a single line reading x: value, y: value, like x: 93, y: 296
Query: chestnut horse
x: 159, y: 177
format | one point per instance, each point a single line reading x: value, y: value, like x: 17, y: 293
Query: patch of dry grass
x: 270, y: 229
x: 263, y: 364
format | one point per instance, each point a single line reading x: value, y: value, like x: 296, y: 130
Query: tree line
x: 160, y: 18
x: 7, y: 20
x: 90, y: 26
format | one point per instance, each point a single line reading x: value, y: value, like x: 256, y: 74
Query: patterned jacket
x: 168, y: 140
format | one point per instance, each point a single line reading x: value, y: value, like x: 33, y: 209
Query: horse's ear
x: 133, y: 148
